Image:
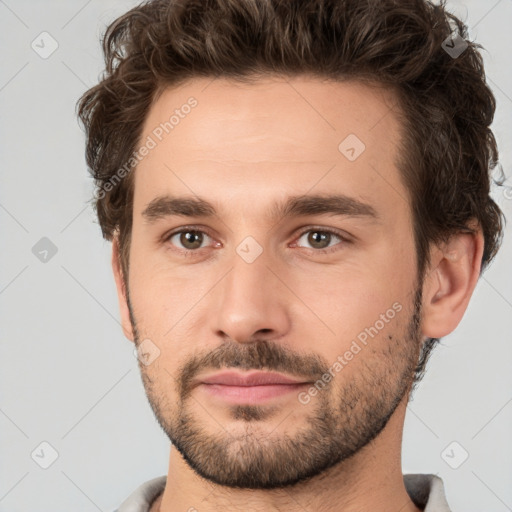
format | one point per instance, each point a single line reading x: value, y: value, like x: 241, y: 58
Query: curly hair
x: 446, y: 108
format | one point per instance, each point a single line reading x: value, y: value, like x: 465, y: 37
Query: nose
x: 251, y: 302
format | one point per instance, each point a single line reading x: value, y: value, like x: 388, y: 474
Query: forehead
x: 218, y: 137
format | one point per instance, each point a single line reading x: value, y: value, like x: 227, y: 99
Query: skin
x: 243, y: 148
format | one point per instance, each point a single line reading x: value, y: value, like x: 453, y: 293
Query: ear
x: 454, y: 272
x: 121, y: 290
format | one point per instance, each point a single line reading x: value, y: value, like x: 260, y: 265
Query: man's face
x: 325, y: 293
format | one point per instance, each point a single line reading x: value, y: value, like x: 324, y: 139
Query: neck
x: 370, y: 480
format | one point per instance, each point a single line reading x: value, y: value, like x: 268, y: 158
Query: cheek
x: 161, y: 294
x: 168, y: 310
x: 363, y: 300
x: 353, y: 296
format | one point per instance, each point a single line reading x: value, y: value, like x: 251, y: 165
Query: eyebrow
x: 295, y: 206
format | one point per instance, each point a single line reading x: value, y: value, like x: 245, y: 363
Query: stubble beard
x: 340, y: 422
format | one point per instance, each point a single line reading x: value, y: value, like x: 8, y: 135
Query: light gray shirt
x: 427, y: 492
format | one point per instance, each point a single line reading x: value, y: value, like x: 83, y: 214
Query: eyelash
x: 192, y: 253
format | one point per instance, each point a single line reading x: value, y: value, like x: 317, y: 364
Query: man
x: 298, y: 199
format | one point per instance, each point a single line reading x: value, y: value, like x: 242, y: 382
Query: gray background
x: 68, y: 376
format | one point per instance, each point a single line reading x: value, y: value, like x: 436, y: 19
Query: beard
x: 342, y: 419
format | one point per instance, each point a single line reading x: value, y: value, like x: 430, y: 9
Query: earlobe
x: 450, y: 283
x: 121, y: 290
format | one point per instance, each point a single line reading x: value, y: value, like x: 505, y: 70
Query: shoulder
x: 141, y: 499
x: 427, y: 492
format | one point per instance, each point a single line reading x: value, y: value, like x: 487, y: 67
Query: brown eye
x: 319, y: 239
x: 188, y: 240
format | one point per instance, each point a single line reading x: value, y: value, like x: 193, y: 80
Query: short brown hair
x: 447, y: 108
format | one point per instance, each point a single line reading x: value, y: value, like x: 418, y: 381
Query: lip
x: 249, y: 387
x: 256, y: 378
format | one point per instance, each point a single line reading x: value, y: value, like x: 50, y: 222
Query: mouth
x: 249, y: 387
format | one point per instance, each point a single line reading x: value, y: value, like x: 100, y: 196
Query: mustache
x: 256, y: 355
